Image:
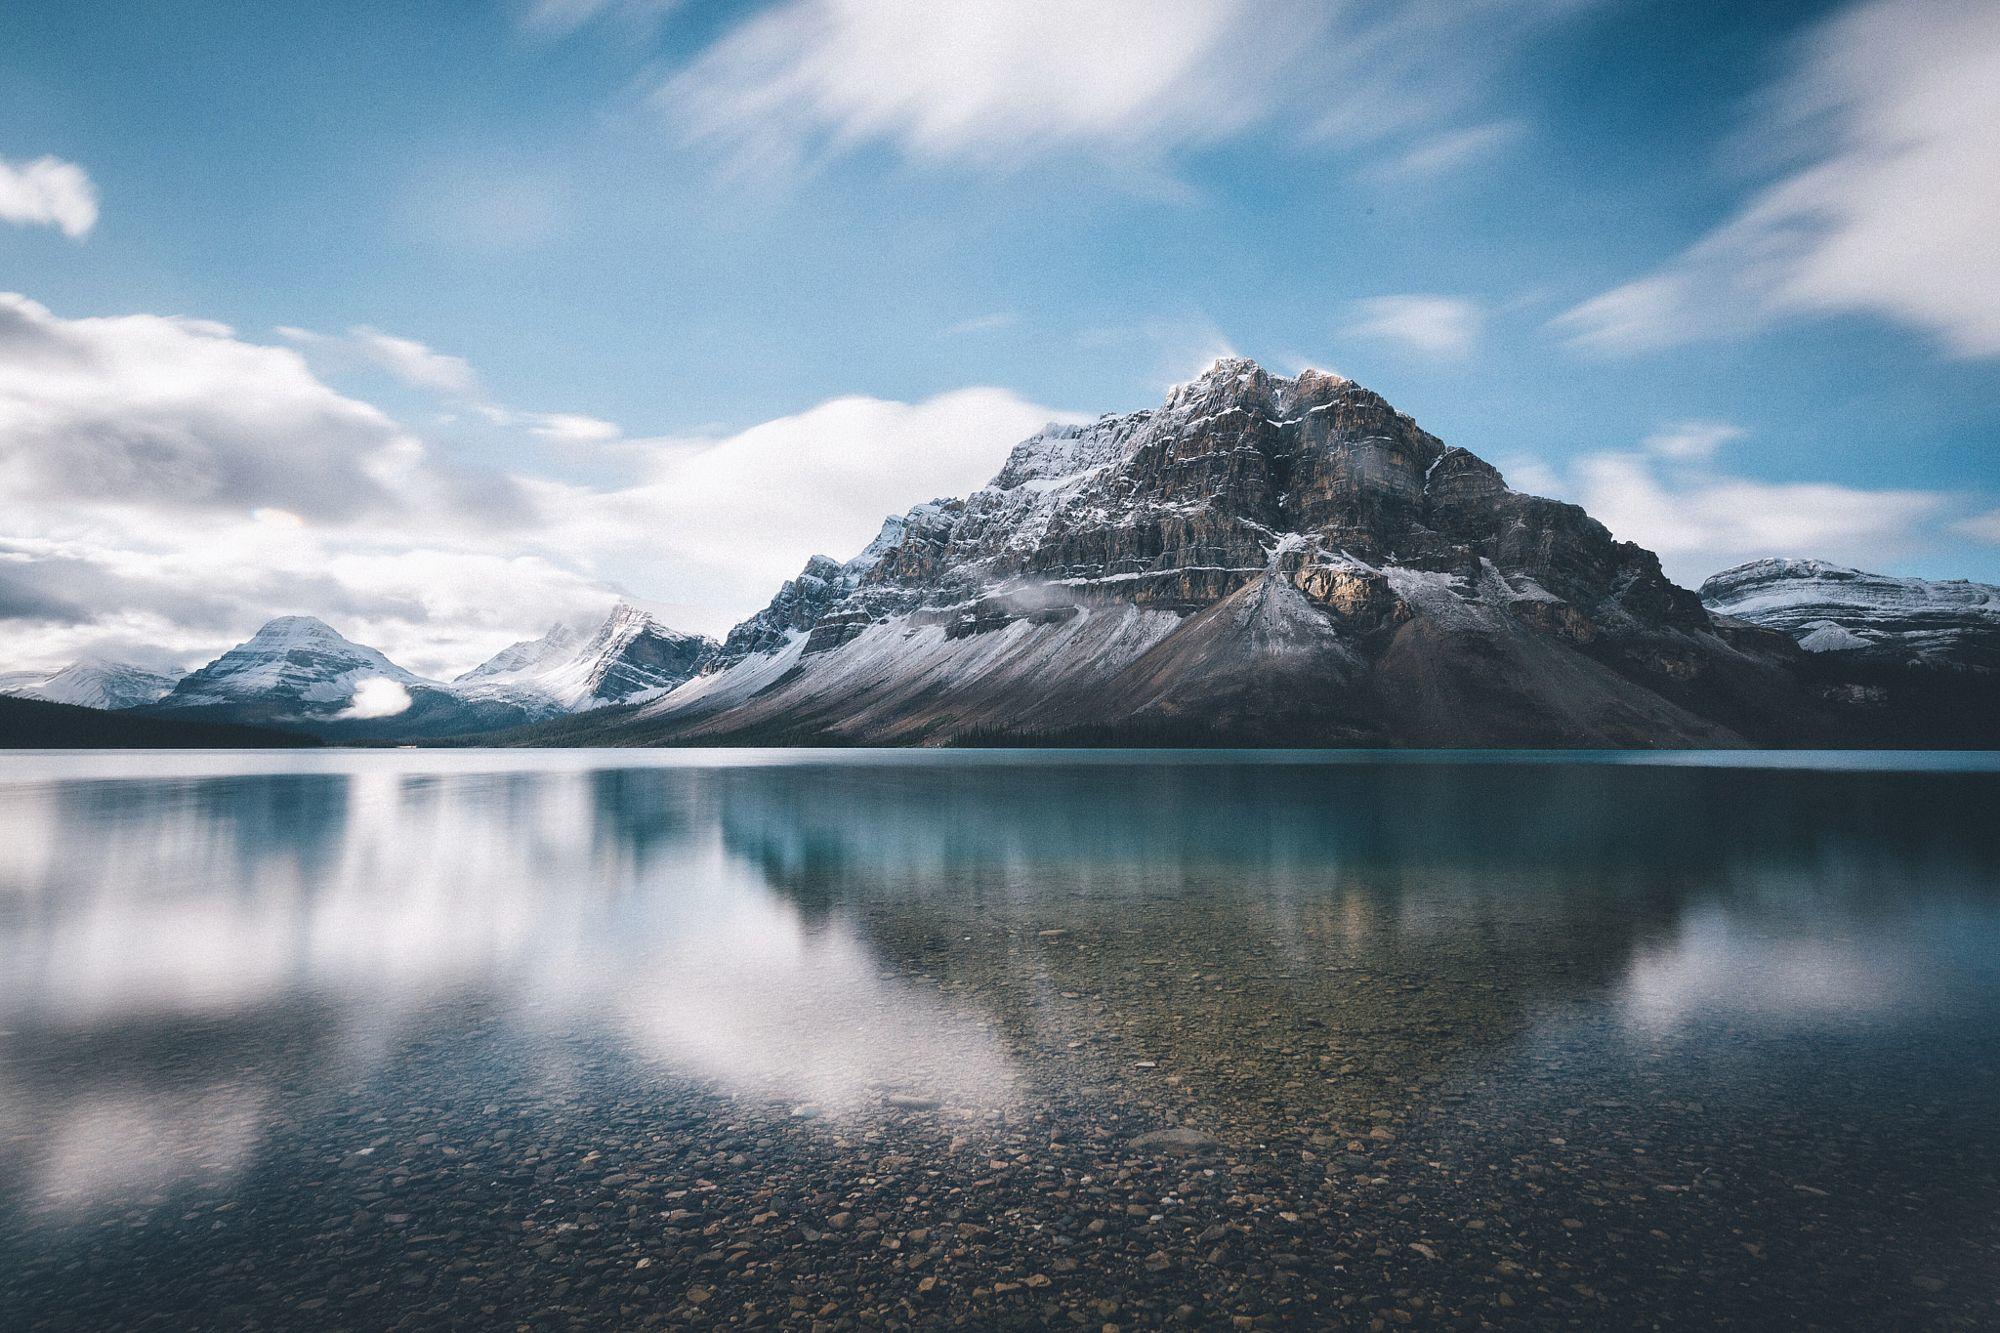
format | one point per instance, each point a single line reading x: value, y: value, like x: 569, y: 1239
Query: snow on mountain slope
x: 99, y: 683
x: 1267, y: 558
x: 1829, y: 608
x: 516, y: 660
x: 296, y: 662
x: 298, y: 672
x: 628, y: 657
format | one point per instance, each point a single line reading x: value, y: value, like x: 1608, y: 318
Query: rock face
x: 1262, y: 559
x: 802, y: 601
x: 626, y: 658
x: 1830, y: 608
x: 1897, y: 661
x: 99, y: 683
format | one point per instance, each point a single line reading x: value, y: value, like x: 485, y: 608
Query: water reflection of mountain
x: 1650, y: 837
x: 1258, y: 927
x: 1276, y: 933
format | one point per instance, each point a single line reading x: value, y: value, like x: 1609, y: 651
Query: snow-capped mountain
x: 628, y: 657
x: 1830, y: 608
x: 803, y: 600
x: 98, y: 683
x: 299, y: 663
x: 298, y: 671
x: 1262, y: 558
x: 562, y: 641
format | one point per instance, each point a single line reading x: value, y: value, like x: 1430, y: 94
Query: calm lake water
x: 401, y: 1039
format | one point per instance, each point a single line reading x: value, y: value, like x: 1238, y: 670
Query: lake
x: 1016, y: 1039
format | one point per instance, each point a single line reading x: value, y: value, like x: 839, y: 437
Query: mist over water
x: 222, y: 976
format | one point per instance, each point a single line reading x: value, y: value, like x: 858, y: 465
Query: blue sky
x: 1723, y: 273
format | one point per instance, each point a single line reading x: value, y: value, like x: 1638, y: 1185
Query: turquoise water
x: 499, y: 1037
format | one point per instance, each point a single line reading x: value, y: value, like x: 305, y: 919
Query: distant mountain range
x: 1261, y: 560
x: 299, y: 673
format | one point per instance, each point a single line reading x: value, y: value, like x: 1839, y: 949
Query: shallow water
x: 865, y: 1039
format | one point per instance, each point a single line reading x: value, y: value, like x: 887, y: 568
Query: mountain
x: 559, y: 643
x: 99, y: 683
x: 1261, y: 560
x: 628, y: 658
x: 1830, y: 608
x: 40, y: 725
x: 1898, y: 661
x: 299, y: 672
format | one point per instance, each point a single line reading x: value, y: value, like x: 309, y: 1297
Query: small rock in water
x: 1176, y: 1140
x: 910, y: 1101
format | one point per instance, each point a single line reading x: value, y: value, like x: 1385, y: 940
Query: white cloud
x: 163, y: 482
x: 170, y: 412
x: 570, y: 427
x: 1982, y: 527
x: 735, y: 517
x: 48, y: 192
x: 1699, y: 521
x: 1897, y: 213
x: 1672, y: 498
x: 406, y: 359
x: 1692, y: 439
x: 377, y: 696
x: 990, y: 80
x: 1445, y: 326
x: 999, y: 82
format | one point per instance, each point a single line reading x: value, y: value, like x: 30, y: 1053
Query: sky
x: 447, y: 322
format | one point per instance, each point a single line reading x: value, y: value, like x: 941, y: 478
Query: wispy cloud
x: 557, y: 18
x: 1694, y: 439
x: 570, y: 427
x: 1981, y: 527
x: 998, y: 83
x: 1445, y: 326
x: 1896, y: 214
x: 1440, y: 154
x: 1003, y: 319
x: 420, y: 366
x: 48, y: 192
x: 406, y: 359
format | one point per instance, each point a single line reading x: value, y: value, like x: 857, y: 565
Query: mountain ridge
x: 1263, y: 559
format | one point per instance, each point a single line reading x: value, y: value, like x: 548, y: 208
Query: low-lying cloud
x: 377, y: 696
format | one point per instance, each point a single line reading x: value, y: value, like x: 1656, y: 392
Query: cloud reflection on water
x: 764, y: 923
x: 577, y: 900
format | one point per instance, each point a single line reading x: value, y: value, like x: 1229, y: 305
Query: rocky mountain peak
x: 627, y: 654
x: 1284, y: 556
